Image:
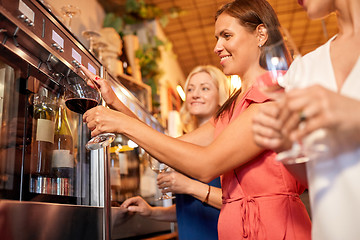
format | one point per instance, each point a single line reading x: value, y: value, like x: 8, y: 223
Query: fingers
x: 164, y: 180
x: 94, y: 119
x: 87, y: 72
x: 132, y: 201
x: 309, y: 126
x: 267, y: 126
x: 269, y: 143
x: 92, y: 78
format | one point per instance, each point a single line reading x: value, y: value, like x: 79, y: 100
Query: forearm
x: 166, y: 214
x: 201, y: 162
x: 119, y: 106
x: 168, y: 150
x: 207, y: 194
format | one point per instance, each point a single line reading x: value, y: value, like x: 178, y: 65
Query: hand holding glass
x: 80, y: 97
x: 278, y: 58
x: 159, y: 167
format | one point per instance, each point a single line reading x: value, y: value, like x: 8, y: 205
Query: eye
x: 227, y: 36
x: 205, y: 89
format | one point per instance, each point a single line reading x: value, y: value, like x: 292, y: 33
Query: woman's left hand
x: 102, y: 120
x: 174, y: 182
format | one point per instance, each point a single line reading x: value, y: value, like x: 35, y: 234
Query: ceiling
x: 192, y: 33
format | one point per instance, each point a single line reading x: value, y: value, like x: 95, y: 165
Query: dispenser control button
x: 76, y: 63
x: 57, y: 47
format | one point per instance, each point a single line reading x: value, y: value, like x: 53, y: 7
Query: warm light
x: 181, y: 92
x: 235, y: 82
x: 132, y: 144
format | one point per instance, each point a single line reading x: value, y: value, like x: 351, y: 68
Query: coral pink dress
x: 261, y: 198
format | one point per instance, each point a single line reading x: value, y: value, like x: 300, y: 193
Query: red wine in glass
x: 80, y: 105
x: 80, y: 97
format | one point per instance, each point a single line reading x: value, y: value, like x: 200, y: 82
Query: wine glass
x: 159, y: 167
x: 278, y: 57
x: 91, y: 36
x: 80, y: 97
x: 70, y: 12
x: 100, y: 47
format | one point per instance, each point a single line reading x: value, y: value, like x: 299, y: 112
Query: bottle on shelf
x: 42, y: 143
x: 125, y: 62
x: 62, y: 164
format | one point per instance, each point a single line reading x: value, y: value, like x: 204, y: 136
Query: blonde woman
x: 206, y: 90
x: 190, y: 117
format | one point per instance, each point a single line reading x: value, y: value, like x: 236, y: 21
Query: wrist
x: 206, y: 199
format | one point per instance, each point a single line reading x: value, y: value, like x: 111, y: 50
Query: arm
x: 114, y: 103
x: 232, y: 148
x: 177, y: 183
x: 140, y: 206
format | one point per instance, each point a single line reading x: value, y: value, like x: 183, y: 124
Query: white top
x: 334, y: 183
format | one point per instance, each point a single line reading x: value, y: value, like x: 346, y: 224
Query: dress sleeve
x: 256, y: 96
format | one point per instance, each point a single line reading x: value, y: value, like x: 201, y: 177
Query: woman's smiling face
x: 236, y: 46
x: 202, y: 96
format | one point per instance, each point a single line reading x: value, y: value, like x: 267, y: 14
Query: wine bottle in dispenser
x: 42, y: 144
x: 62, y: 156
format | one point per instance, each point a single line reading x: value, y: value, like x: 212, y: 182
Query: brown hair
x: 250, y: 14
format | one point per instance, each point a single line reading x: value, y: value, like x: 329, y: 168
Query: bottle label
x: 62, y: 159
x: 45, y: 130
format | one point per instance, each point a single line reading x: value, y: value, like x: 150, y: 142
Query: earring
x: 260, y: 45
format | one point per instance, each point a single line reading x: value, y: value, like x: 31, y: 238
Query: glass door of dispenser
x: 12, y: 119
x: 42, y: 157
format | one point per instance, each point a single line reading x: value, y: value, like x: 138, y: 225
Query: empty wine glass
x: 91, y: 36
x: 70, y: 12
x: 159, y: 167
x: 100, y: 47
x: 80, y: 97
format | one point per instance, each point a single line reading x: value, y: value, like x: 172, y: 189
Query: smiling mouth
x: 222, y: 59
x: 225, y: 57
x: 196, y: 103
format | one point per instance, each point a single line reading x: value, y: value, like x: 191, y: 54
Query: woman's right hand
x: 106, y: 91
x: 138, y: 205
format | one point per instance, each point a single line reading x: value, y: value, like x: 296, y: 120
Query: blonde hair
x: 221, y: 82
